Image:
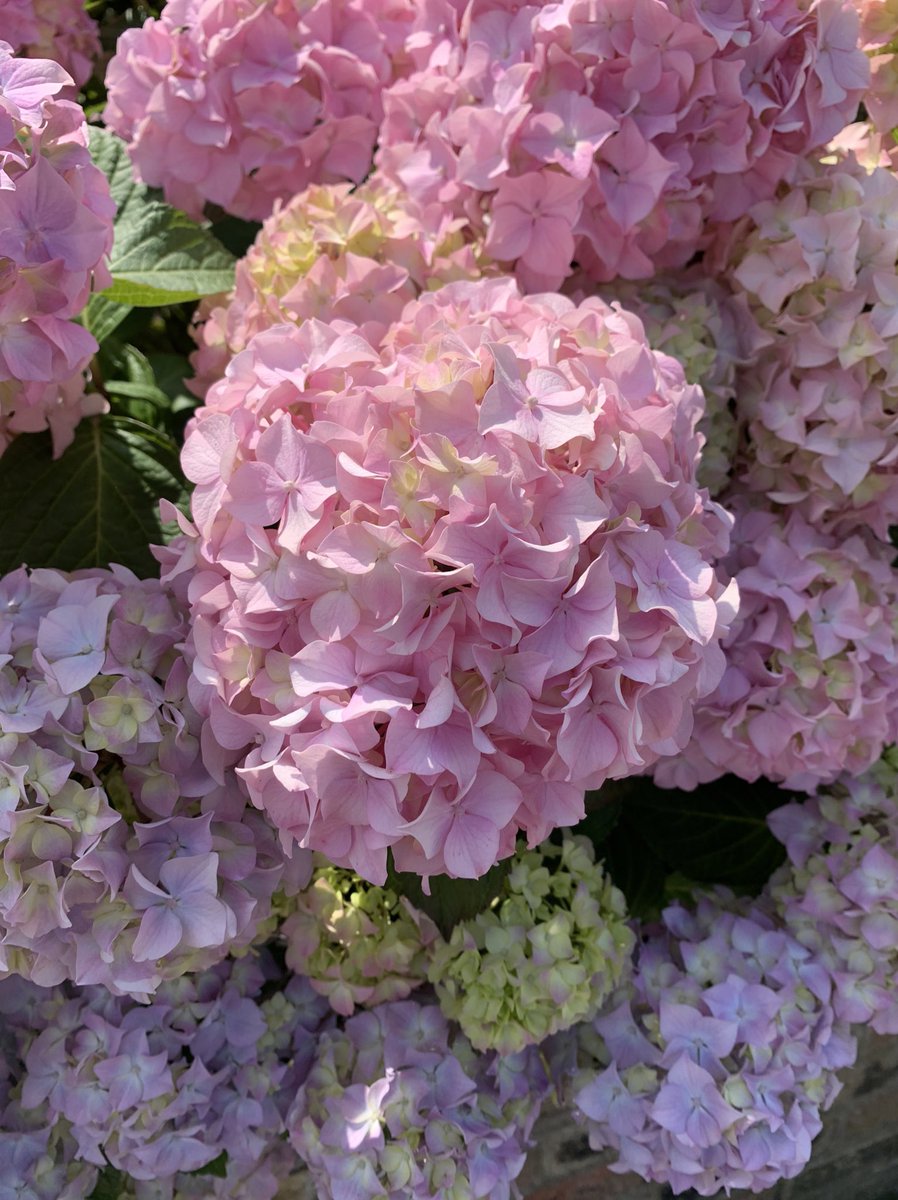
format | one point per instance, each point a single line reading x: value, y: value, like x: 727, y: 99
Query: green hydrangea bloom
x: 547, y: 954
x: 357, y: 944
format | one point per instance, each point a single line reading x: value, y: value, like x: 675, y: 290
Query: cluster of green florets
x: 357, y: 944
x: 547, y: 954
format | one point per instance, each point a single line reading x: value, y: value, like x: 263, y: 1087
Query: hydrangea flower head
x: 397, y: 1103
x: 38, y: 1156
x: 159, y: 1090
x: 335, y: 254
x: 879, y: 39
x: 61, y: 30
x: 817, y: 267
x: 121, y: 861
x: 839, y: 892
x: 713, y: 1072
x: 241, y: 103
x: 710, y: 333
x: 544, y: 956
x: 811, y: 683
x: 357, y: 944
x: 609, y: 134
x: 441, y: 586
x: 55, y: 231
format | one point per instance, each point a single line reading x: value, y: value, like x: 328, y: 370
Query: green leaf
x: 634, y: 868
x: 111, y: 155
x: 160, y: 256
x: 103, y: 316
x: 218, y: 1167
x: 110, y: 1185
x: 450, y: 900
x: 137, y: 391
x: 147, y: 387
x: 599, y: 823
x: 236, y: 234
x: 715, y: 834
x: 170, y: 371
x: 95, y: 505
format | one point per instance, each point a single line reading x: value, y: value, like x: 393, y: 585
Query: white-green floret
x: 359, y: 945
x: 547, y: 954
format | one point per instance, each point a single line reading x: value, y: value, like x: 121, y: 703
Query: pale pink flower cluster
x: 609, y: 133
x: 244, y: 102
x: 820, y: 396
x: 121, y: 861
x: 55, y: 231
x: 61, y: 30
x: 441, y: 587
x: 879, y: 38
x: 709, y: 332
x: 811, y: 684
x: 336, y: 254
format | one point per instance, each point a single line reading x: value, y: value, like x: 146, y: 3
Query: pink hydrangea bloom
x: 610, y: 133
x: 123, y: 863
x: 820, y: 397
x: 61, y: 30
x: 55, y: 231
x: 710, y: 333
x: 335, y: 254
x: 879, y: 38
x: 241, y: 103
x: 441, y: 586
x: 811, y: 685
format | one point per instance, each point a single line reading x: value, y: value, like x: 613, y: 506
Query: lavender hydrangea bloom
x: 838, y: 894
x: 122, y: 861
x: 713, y: 1072
x: 161, y: 1090
x: 398, y: 1104
x: 55, y: 232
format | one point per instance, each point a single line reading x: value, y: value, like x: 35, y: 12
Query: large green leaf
x: 634, y: 868
x: 111, y: 155
x: 103, y: 316
x: 715, y: 834
x: 160, y: 256
x: 95, y: 505
x: 450, y: 900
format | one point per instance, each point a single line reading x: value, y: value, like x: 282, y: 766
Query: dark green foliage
x: 110, y: 1185
x: 658, y: 842
x: 218, y: 1167
x: 97, y: 504
x: 450, y: 900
